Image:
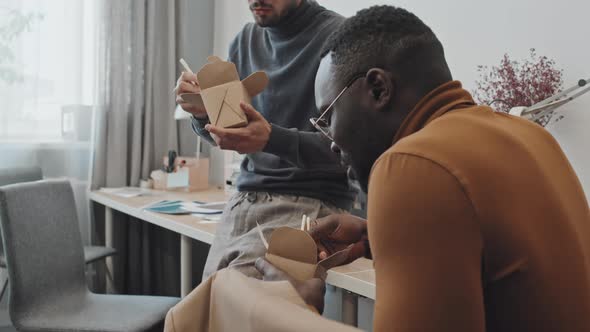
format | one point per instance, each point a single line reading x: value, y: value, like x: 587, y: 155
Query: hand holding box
x: 222, y: 91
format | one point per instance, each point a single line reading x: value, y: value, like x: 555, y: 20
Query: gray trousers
x: 237, y: 243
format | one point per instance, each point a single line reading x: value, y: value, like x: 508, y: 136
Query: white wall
x: 479, y: 33
x: 230, y: 17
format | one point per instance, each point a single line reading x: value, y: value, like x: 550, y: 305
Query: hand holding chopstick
x: 339, y: 232
x: 188, y: 83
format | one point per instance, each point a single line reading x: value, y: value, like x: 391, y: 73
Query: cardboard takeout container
x: 295, y: 252
x: 222, y: 91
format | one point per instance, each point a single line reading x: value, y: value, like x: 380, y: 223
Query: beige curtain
x: 140, y: 42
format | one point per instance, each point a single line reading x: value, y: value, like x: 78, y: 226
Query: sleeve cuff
x: 198, y: 126
x: 279, y: 138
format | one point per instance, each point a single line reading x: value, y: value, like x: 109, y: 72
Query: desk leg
x: 349, y: 308
x: 186, y: 265
x: 109, y: 242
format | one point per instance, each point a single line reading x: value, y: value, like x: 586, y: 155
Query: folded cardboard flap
x: 222, y: 92
x: 298, y: 270
x: 224, y: 103
x: 216, y: 73
x: 336, y: 259
x: 295, y: 252
x: 293, y: 244
x: 213, y: 58
x: 194, y: 99
x: 255, y: 83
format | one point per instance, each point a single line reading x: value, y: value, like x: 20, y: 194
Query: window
x: 47, y: 60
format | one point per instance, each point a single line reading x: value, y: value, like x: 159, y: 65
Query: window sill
x: 44, y: 145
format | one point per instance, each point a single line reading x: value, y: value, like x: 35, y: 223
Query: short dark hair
x: 390, y: 38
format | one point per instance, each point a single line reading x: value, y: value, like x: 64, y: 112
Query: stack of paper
x: 186, y: 207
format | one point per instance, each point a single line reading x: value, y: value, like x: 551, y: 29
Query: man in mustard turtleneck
x: 476, y: 219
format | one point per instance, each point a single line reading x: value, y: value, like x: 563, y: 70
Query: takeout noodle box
x: 222, y: 91
x: 295, y: 252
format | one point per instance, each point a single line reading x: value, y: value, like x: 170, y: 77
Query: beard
x: 271, y: 18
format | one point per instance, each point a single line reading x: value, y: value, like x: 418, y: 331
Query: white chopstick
x: 186, y: 68
x: 261, y: 235
x: 185, y: 65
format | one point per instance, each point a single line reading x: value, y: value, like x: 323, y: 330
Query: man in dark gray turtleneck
x: 289, y: 169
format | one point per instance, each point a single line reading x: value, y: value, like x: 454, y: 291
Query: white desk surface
x: 357, y: 277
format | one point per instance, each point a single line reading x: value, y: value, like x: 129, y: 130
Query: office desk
x: 355, y: 278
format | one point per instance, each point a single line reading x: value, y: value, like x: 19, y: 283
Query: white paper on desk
x: 207, y: 219
x: 178, y: 178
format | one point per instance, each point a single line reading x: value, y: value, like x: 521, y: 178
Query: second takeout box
x: 295, y: 252
x: 222, y: 91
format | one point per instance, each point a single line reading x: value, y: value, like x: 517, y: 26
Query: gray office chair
x: 29, y: 174
x: 45, y: 263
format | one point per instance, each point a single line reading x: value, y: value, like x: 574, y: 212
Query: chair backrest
x: 42, y: 243
x: 20, y: 174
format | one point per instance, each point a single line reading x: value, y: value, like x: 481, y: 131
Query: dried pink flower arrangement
x: 518, y: 83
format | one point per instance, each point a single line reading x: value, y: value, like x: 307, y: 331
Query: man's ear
x: 381, y: 88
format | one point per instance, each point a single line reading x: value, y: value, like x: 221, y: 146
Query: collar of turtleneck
x: 296, y: 21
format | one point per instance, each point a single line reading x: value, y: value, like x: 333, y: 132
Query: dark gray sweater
x: 297, y: 159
